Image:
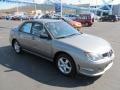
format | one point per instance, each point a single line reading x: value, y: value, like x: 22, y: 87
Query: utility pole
x: 35, y: 6
x: 96, y: 8
x: 89, y: 7
x: 17, y: 7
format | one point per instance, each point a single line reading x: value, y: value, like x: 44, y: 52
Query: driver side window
x: 38, y: 30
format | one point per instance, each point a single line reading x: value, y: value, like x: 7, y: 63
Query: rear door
x: 25, y: 36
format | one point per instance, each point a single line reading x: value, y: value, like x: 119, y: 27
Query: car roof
x: 45, y: 20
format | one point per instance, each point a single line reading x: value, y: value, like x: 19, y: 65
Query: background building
x: 116, y: 10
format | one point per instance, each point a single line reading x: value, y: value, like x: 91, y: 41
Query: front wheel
x: 66, y: 65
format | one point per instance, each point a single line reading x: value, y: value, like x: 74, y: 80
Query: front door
x: 41, y: 45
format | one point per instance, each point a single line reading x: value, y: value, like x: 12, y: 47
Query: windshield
x: 61, y: 29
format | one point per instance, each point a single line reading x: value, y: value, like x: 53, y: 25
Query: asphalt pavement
x: 29, y: 72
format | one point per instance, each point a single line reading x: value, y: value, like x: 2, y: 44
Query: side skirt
x: 49, y: 59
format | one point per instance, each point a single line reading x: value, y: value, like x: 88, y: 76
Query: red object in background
x: 85, y: 19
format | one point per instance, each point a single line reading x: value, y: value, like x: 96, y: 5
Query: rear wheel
x: 16, y: 47
x: 66, y: 65
x: 90, y: 24
x: 86, y: 24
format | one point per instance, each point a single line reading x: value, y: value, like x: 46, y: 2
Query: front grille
x: 108, y: 54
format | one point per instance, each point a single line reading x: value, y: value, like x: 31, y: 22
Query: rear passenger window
x: 26, y: 27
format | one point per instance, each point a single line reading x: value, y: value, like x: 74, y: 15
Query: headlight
x: 93, y: 56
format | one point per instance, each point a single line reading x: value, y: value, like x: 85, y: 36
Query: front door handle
x: 33, y: 38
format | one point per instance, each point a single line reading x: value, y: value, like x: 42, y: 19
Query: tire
x: 66, y: 65
x: 16, y: 47
x: 101, y: 20
x: 86, y: 24
x: 90, y: 24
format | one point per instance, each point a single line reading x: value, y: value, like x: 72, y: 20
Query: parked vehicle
x: 85, y: 19
x: 30, y: 17
x: 111, y: 18
x: 118, y: 18
x: 15, y: 17
x: 75, y: 24
x: 72, y: 51
x: 2, y: 17
x: 71, y: 16
x: 21, y: 17
x: 7, y: 17
x: 38, y: 16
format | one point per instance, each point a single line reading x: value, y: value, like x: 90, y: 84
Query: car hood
x: 88, y: 43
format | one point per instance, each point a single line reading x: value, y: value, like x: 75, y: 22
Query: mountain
x: 29, y: 8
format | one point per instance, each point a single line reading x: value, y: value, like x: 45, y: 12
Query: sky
x: 91, y: 2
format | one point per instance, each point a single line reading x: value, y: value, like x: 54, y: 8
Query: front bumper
x: 97, y: 68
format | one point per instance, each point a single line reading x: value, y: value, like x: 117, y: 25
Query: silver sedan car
x: 72, y: 51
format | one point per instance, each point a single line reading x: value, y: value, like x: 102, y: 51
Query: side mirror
x: 44, y: 36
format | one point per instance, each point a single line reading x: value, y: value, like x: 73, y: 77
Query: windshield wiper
x: 61, y: 37
x: 68, y: 36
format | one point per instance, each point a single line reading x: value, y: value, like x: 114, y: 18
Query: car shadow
x: 39, y: 69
